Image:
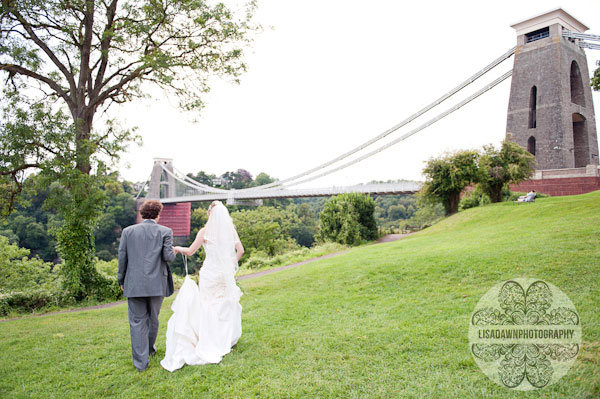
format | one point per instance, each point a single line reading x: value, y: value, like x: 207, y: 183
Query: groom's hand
x: 122, y: 289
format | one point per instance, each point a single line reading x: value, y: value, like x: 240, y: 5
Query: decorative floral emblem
x: 525, y: 334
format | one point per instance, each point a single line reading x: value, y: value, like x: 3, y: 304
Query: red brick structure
x: 558, y: 182
x: 175, y: 216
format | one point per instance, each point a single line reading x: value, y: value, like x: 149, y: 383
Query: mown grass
x: 384, y: 321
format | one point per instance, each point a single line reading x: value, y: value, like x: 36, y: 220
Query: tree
x: 348, y: 219
x: 83, y: 56
x: 510, y: 164
x: 203, y: 177
x: 265, y: 229
x: 262, y: 178
x: 447, y: 176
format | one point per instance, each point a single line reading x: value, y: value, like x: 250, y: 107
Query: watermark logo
x: 525, y: 334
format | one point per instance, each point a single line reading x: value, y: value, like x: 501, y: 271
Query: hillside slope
x: 381, y: 321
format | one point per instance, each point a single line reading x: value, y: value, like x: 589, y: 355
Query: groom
x: 145, y: 278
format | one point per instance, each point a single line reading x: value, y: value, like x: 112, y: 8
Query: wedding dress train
x: 207, y: 318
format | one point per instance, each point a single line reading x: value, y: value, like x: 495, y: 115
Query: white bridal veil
x: 221, y: 236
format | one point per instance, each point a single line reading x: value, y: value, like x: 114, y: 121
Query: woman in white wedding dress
x: 207, y: 318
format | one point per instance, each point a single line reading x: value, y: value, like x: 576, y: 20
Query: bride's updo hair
x: 151, y: 209
x: 212, y: 205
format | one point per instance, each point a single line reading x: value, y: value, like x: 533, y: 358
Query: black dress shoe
x: 153, y: 351
x: 141, y: 370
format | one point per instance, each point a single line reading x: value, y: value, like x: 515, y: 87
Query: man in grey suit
x: 145, y: 278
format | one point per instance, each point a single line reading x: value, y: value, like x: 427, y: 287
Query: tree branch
x: 19, y: 169
x: 12, y: 69
x: 104, y: 47
x: 84, y: 65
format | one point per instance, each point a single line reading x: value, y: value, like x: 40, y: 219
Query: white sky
x: 332, y: 74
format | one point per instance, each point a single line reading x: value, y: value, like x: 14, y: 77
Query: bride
x: 207, y: 318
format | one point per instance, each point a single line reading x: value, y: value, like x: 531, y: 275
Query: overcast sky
x: 331, y: 74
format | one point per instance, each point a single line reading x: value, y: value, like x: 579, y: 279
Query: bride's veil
x: 220, y: 236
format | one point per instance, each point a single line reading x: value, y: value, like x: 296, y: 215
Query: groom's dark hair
x: 151, y: 209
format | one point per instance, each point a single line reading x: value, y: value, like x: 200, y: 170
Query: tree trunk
x: 496, y: 193
x: 451, y: 203
x: 83, y: 118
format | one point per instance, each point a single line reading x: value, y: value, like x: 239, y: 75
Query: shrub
x: 348, y: 219
x: 265, y: 229
x: 18, y: 272
x: 474, y: 198
x: 259, y: 259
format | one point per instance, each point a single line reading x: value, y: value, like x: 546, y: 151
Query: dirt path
x: 387, y: 238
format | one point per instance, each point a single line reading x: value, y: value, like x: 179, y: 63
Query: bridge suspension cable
x: 582, y: 37
x: 294, y: 180
x: 386, y: 133
x: 412, y: 132
x: 192, y: 183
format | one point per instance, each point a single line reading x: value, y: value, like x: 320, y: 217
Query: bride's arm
x: 239, y: 248
x: 189, y: 251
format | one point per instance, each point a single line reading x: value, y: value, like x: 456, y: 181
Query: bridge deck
x: 372, y: 189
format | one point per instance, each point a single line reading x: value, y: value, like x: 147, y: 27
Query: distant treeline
x: 278, y: 226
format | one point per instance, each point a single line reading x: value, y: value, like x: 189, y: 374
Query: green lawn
x: 383, y: 321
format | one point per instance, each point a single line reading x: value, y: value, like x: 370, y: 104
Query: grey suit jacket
x: 144, y: 251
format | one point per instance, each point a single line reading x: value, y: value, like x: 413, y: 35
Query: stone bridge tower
x: 162, y: 184
x: 176, y: 216
x: 550, y: 110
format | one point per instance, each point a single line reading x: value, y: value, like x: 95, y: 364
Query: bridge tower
x: 550, y: 110
x: 162, y: 184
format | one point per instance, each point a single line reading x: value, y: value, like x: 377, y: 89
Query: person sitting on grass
x: 529, y: 197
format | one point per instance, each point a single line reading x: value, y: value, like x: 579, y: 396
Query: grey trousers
x: 143, y: 326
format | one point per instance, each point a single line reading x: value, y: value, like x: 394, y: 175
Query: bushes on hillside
x: 491, y: 169
x: 28, y: 284
x: 348, y: 219
x: 265, y: 229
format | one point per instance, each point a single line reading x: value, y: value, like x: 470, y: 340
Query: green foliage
x: 265, y: 229
x: 18, y: 272
x: 84, y: 56
x: 118, y: 213
x: 348, y: 219
x: 447, y: 176
x: 260, y: 260
x: 32, y: 135
x: 33, y: 225
x: 203, y: 177
x: 381, y: 321
x: 510, y: 164
x: 393, y: 212
x: 29, y: 284
x: 26, y: 283
x: 474, y: 198
x: 80, y: 204
x: 595, y: 83
x: 426, y: 215
x: 262, y: 179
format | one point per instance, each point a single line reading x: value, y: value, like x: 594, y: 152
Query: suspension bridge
x: 177, y: 190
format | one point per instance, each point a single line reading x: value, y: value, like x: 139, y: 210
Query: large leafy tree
x: 447, y: 176
x: 498, y: 167
x: 66, y: 60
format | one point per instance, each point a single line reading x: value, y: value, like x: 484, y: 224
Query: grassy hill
x: 382, y: 321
